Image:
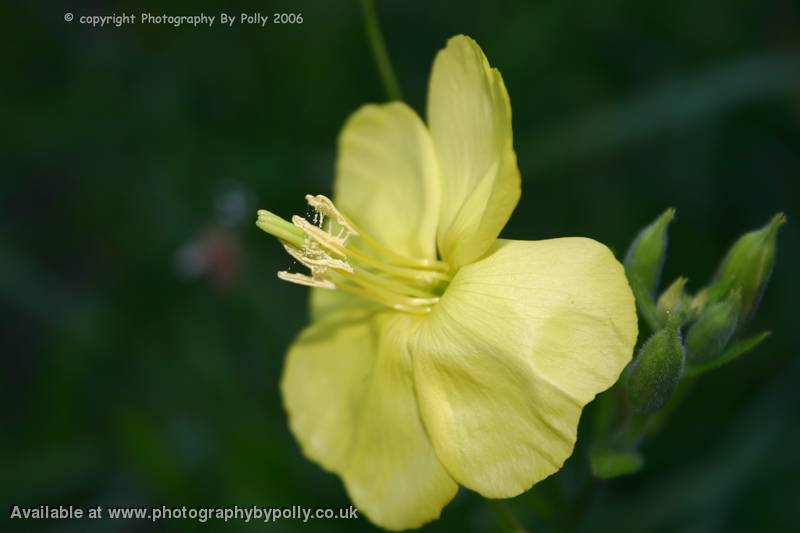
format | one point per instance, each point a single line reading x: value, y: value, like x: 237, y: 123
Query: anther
x: 302, y: 279
x: 322, y: 204
x: 312, y: 258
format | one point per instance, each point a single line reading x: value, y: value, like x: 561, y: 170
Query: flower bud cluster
x: 692, y: 333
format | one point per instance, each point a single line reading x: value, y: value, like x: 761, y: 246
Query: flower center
x: 341, y: 256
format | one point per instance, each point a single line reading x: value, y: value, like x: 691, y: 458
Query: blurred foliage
x: 143, y: 329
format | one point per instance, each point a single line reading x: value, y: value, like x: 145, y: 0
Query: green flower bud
x: 656, y: 371
x: 748, y: 266
x: 699, y: 301
x: 644, y: 260
x: 712, y: 331
x: 673, y: 302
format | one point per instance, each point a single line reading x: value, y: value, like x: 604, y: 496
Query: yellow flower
x: 439, y: 355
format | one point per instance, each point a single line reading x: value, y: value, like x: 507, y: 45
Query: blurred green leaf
x: 669, y: 104
x: 734, y: 350
x: 608, y: 463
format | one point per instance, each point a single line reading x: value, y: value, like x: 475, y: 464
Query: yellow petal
x: 519, y: 343
x: 469, y: 115
x: 323, y: 383
x: 387, y: 179
x: 349, y: 392
x: 393, y: 475
x: 324, y: 302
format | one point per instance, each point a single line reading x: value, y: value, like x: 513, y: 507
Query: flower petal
x: 519, y: 343
x: 394, y: 475
x: 324, y: 302
x: 469, y: 115
x: 387, y: 179
x: 349, y: 391
x: 323, y: 383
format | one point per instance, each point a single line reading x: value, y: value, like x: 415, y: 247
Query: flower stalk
x: 379, y: 53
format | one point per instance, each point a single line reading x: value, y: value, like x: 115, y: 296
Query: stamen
x: 325, y: 206
x: 316, y: 259
x: 319, y: 235
x: 392, y: 284
x: 302, y: 279
x: 368, y: 269
x: 389, y: 294
x: 337, y: 246
x: 399, y: 306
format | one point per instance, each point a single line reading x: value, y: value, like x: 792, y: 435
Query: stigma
x: 340, y: 256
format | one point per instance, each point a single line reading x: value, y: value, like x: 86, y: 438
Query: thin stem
x: 576, y: 514
x: 505, y: 516
x: 660, y: 418
x: 379, y: 53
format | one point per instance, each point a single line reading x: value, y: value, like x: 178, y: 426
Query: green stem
x: 505, y: 516
x: 576, y: 514
x: 379, y: 53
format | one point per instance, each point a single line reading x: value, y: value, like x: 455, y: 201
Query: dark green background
x: 128, y: 379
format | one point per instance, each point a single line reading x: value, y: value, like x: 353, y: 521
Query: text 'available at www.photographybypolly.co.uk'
x: 253, y: 513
